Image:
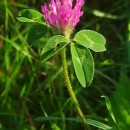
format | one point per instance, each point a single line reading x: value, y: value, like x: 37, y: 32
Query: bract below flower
x: 62, y: 14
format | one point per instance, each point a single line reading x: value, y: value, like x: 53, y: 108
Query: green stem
x: 71, y: 92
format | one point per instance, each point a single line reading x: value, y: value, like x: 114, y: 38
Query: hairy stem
x: 71, y: 92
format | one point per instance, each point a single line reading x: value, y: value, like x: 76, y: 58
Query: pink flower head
x: 62, y: 15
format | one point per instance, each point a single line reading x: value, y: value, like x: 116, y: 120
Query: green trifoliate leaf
x: 31, y: 16
x: 53, y: 42
x: 83, y: 64
x: 91, y: 39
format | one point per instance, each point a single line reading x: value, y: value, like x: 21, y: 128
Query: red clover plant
x: 64, y: 16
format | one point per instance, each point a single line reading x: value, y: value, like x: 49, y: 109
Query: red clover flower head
x: 62, y: 14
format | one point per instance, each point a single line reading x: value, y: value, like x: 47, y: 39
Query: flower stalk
x: 71, y: 92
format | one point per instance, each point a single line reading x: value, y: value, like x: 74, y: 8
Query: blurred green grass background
x: 29, y: 89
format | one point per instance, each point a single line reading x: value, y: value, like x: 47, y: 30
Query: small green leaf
x: 109, y: 107
x: 53, y: 42
x: 52, y: 52
x: 36, y: 32
x: 91, y: 39
x: 30, y: 15
x: 83, y: 64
